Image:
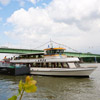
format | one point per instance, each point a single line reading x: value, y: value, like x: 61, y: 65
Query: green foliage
x: 29, y: 87
x: 13, y: 98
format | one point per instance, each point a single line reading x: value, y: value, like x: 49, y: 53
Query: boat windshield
x: 52, y: 52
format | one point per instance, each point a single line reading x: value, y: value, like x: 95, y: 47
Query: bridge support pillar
x: 95, y: 59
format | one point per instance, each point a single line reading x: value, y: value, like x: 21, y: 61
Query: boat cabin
x: 29, y: 56
x: 52, y: 58
x: 54, y: 51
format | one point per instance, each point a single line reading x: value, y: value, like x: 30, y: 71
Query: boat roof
x: 37, y: 53
x: 55, y: 48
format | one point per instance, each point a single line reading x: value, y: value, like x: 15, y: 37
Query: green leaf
x: 31, y: 78
x: 20, y: 85
x: 19, y: 92
x: 13, y: 98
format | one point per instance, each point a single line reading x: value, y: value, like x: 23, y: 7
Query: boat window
x: 39, y: 56
x: 71, y: 65
x: 48, y: 52
x: 59, y: 65
x: 77, y: 64
x: 31, y: 56
x: 36, y: 56
x: 49, y: 64
x: 52, y: 52
x: 61, y: 51
x: 44, y: 64
x: 65, y: 65
x: 34, y: 64
x: 27, y: 56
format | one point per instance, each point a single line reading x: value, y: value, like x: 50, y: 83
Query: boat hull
x: 85, y: 72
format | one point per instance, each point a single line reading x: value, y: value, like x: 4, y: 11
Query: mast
x: 51, y: 44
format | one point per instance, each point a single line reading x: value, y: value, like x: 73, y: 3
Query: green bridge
x: 26, y: 51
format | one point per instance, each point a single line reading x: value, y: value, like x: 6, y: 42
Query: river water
x: 55, y: 88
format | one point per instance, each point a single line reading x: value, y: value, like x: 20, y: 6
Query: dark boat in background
x: 7, y: 69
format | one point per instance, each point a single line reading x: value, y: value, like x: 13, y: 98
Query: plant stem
x: 21, y: 95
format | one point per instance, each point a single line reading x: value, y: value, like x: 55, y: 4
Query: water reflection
x: 54, y: 88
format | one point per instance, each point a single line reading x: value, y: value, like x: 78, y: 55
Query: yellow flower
x: 29, y: 85
x: 32, y: 82
x: 28, y: 78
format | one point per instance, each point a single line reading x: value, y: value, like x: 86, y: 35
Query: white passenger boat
x: 52, y: 62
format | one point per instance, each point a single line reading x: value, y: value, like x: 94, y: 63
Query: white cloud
x: 72, y: 22
x: 66, y: 9
x: 4, y: 2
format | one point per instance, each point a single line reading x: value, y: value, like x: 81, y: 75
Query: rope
x: 42, y: 45
x: 58, y: 44
x: 66, y: 46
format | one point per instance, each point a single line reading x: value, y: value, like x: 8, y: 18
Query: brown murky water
x: 55, y: 88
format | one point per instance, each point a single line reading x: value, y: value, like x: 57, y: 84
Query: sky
x: 31, y: 23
